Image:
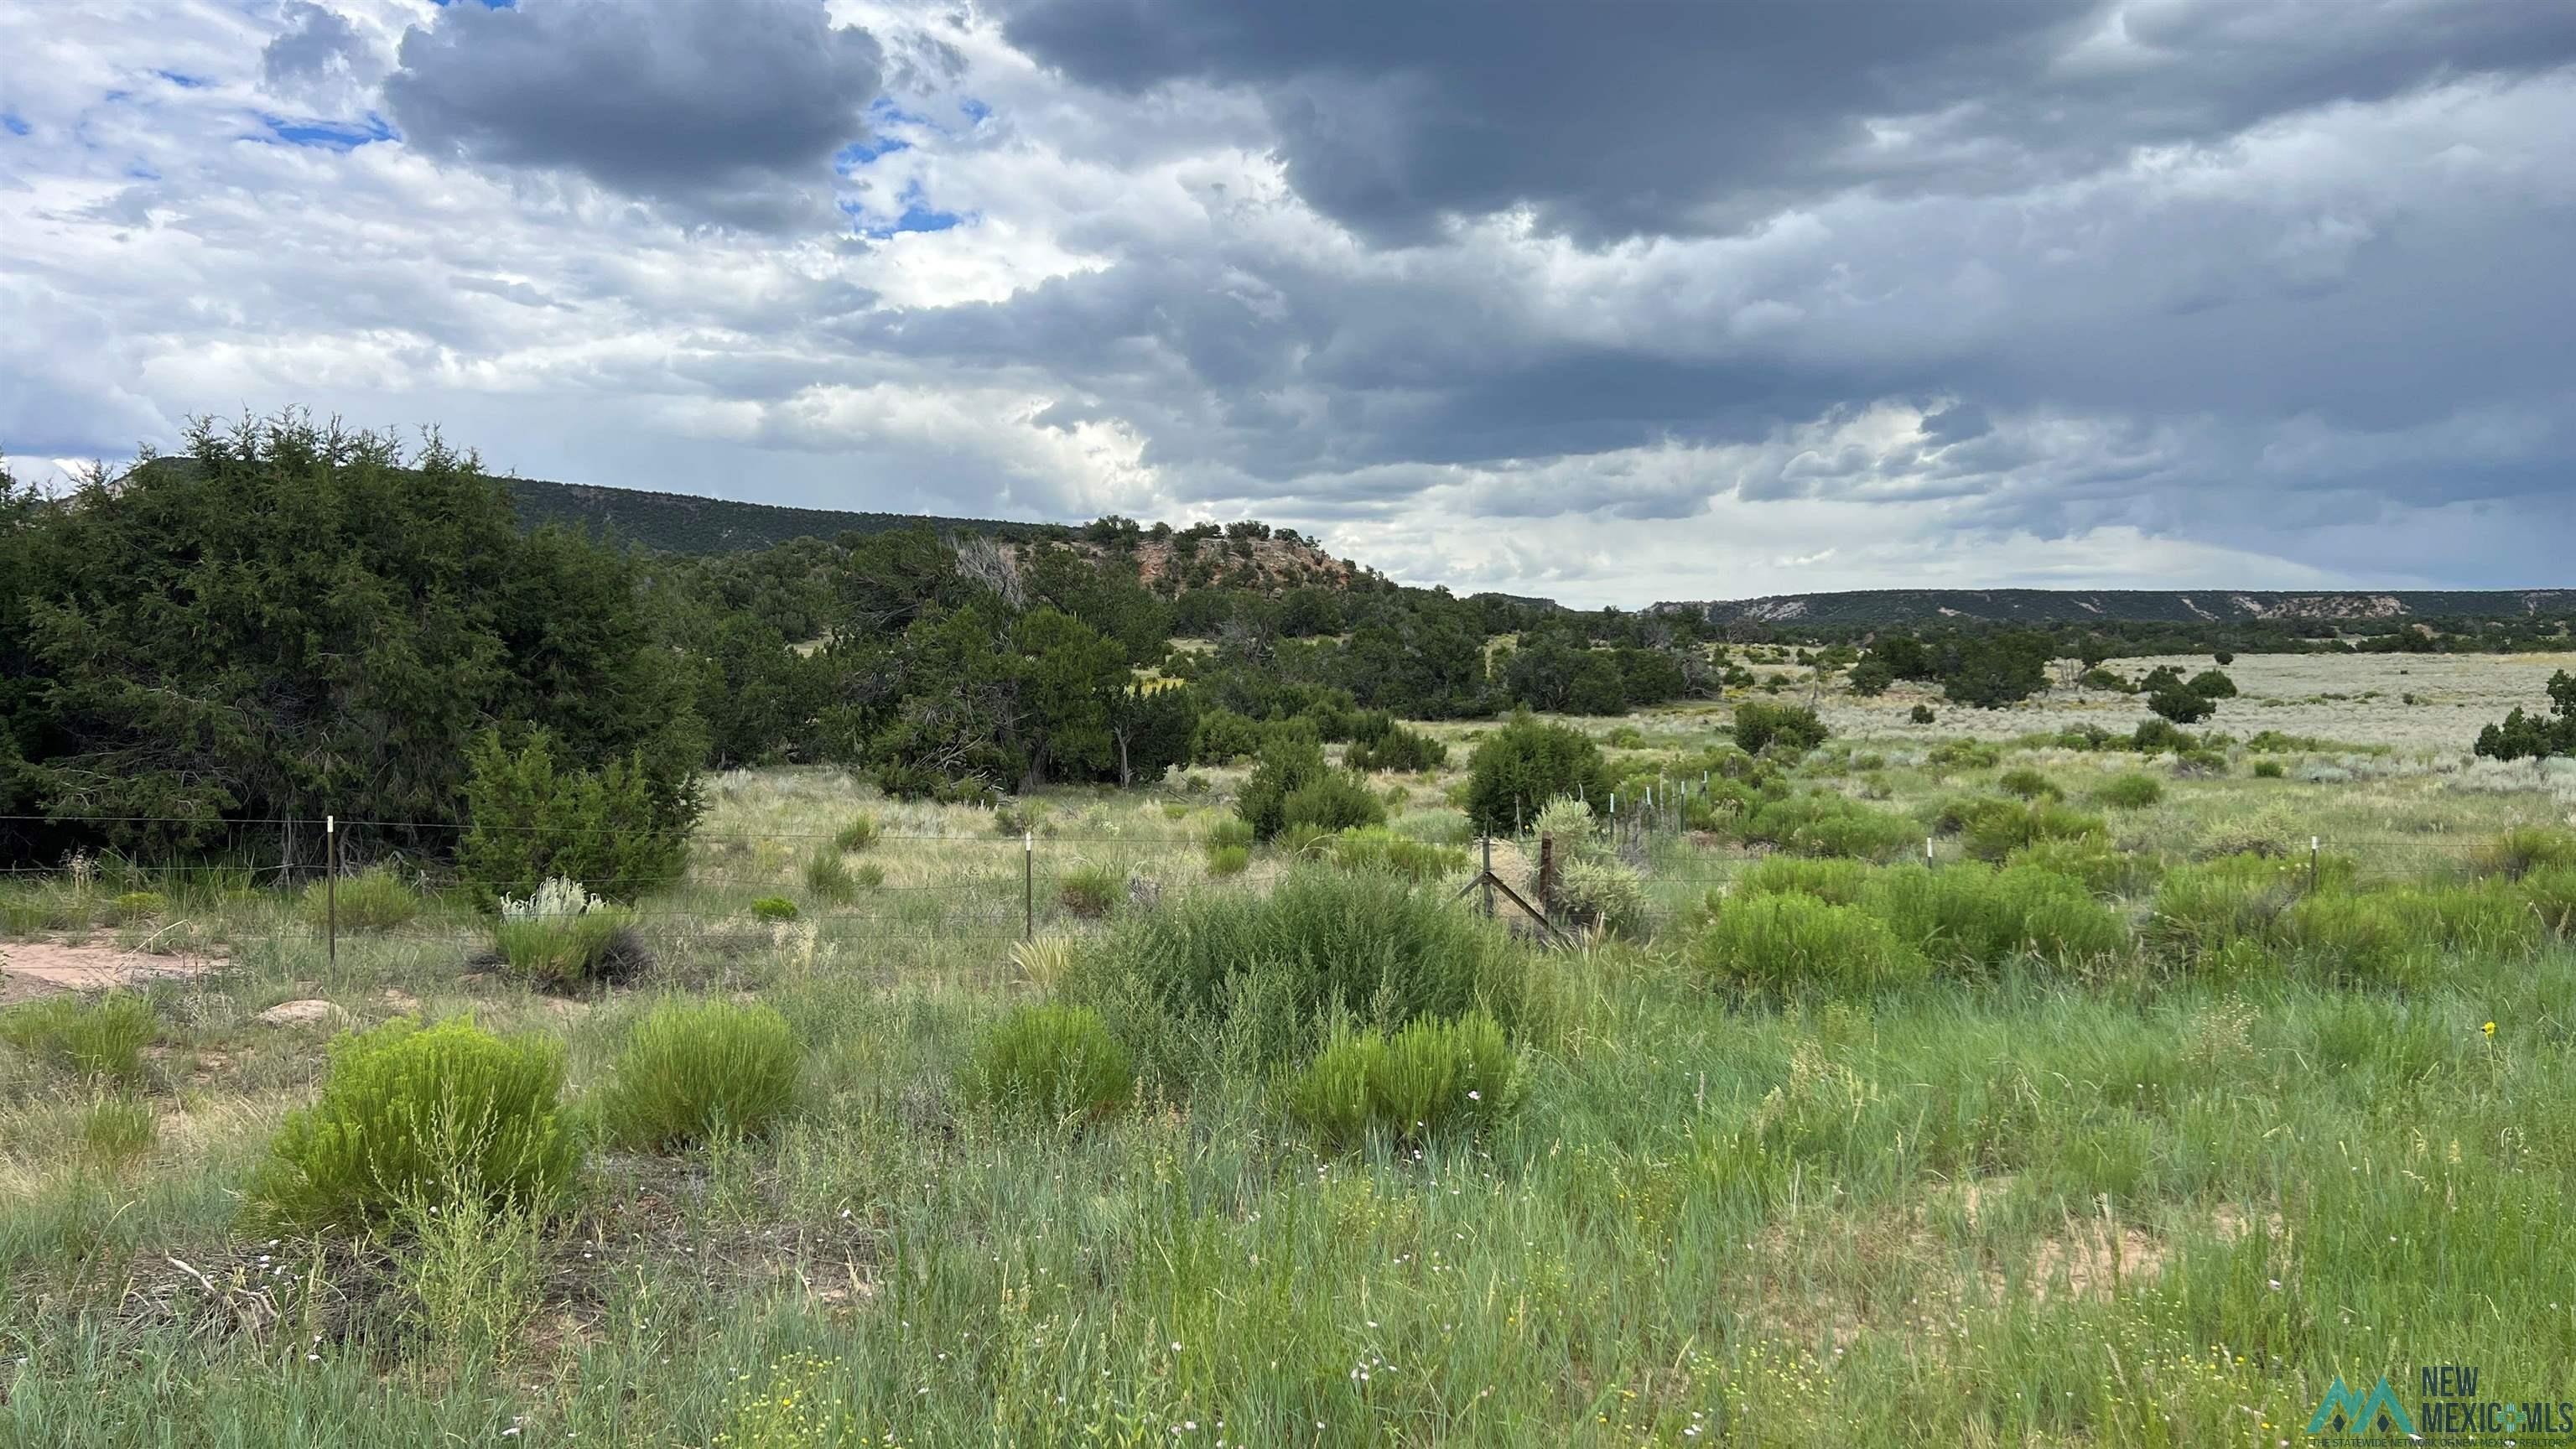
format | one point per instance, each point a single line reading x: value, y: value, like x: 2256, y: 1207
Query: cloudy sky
x: 1620, y: 301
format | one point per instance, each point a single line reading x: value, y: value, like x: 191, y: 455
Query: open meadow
x: 1983, y: 1083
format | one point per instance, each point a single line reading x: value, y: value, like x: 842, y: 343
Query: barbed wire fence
x: 994, y: 888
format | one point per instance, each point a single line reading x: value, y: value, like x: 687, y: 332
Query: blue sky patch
x: 917, y: 215
x: 184, y: 82
x: 329, y: 135
x: 10, y: 122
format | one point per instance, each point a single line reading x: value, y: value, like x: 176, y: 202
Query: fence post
x: 1546, y: 876
x: 331, y: 884
x: 1487, y: 879
x: 1028, y: 885
x: 1927, y: 850
x: 2312, y: 864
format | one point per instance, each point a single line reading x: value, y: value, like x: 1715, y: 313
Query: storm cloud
x: 1615, y: 302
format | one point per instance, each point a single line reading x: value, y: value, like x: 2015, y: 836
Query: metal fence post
x: 1028, y: 885
x: 1488, y: 877
x: 331, y: 883
x: 2312, y: 864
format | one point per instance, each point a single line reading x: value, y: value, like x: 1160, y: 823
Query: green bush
x: 1397, y: 749
x: 1222, y: 737
x: 1758, y: 726
x: 1294, y: 786
x: 133, y: 907
x: 2267, y: 770
x: 2181, y: 706
x: 375, y: 899
x: 1997, y: 828
x: 2211, y: 684
x: 856, y: 836
x: 1964, y: 754
x: 563, y: 936
x: 2551, y: 894
x: 1599, y: 891
x: 827, y: 875
x: 1364, y: 944
x: 2155, y: 736
x: 618, y: 832
x: 104, y: 1037
x: 2131, y: 791
x: 1335, y: 801
x: 1836, y: 882
x: 1829, y: 824
x: 1527, y: 763
x: 1973, y: 916
x: 2092, y: 859
x: 1792, y: 942
x: 1049, y: 1062
x: 412, y: 1115
x: 1378, y: 848
x: 2028, y: 784
x: 1430, y: 1077
x: 2525, y: 848
x: 2204, y: 909
x: 1090, y: 891
x: 1922, y: 714
x: 774, y: 908
x: 693, y: 1071
x: 1226, y: 860
x: 1231, y: 830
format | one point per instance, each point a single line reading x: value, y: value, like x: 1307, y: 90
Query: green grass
x: 2155, y: 1196
x: 695, y: 1071
x: 102, y: 1037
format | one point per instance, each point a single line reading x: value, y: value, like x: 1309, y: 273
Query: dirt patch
x: 30, y: 969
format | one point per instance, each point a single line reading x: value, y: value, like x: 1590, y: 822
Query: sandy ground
x: 29, y: 969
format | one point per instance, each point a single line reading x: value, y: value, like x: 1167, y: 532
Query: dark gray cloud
x: 729, y: 110
x: 317, y: 45
x: 1646, y: 117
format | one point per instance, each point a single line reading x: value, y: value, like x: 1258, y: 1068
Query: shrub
x: 1870, y: 678
x: 2155, y: 736
x: 563, y: 936
x: 827, y: 875
x: 2028, y: 784
x: 1090, y: 891
x: 2526, y: 848
x: 1599, y: 891
x: 1836, y: 882
x: 2179, y: 705
x: 411, y: 1115
x: 618, y: 832
x: 1922, y: 714
x: 1758, y: 726
x: 2211, y: 684
x: 1572, y: 824
x: 1226, y: 860
x: 1362, y: 943
x: 2267, y: 770
x: 774, y: 908
x: 1397, y: 748
x: 1335, y: 801
x: 2551, y: 893
x: 1790, y: 942
x: 1051, y: 1063
x: 1222, y: 736
x: 2103, y: 869
x: 1233, y: 830
x: 2204, y: 909
x: 2224, y: 658
x: 1963, y: 754
x: 1997, y: 828
x: 1378, y: 848
x: 693, y: 1071
x: 1985, y: 917
x: 1527, y: 763
x: 1294, y: 786
x: 2131, y: 791
x: 135, y: 906
x: 375, y: 899
x: 1829, y: 824
x: 1430, y: 1077
x: 856, y: 836
x: 2098, y: 677
x: 104, y: 1037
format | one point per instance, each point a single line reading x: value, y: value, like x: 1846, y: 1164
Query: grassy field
x: 2142, y: 1137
